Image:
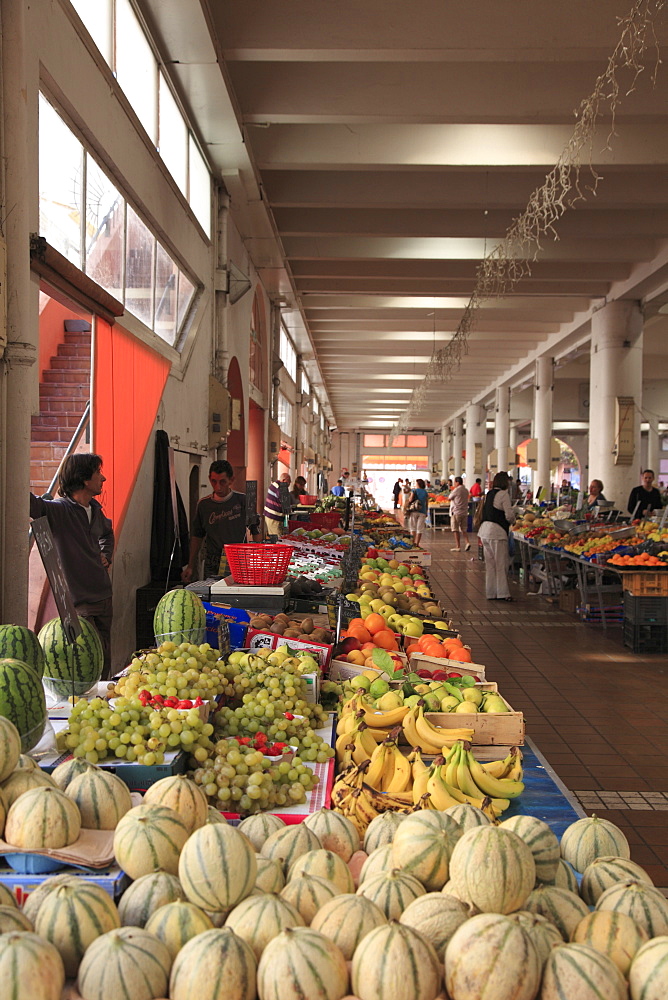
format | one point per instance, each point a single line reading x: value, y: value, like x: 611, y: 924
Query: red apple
x: 350, y: 643
x: 424, y: 673
x: 454, y: 674
x: 440, y: 675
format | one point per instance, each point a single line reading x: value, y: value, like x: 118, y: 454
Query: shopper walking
x: 85, y: 541
x: 417, y: 510
x: 406, y: 491
x: 396, y: 492
x: 497, y: 516
x: 459, y: 513
x: 273, y: 509
x: 645, y: 498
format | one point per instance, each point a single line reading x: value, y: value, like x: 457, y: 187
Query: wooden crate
x: 502, y: 728
x: 645, y: 583
x: 418, y: 662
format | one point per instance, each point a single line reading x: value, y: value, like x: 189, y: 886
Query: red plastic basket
x: 307, y: 499
x: 263, y: 565
x: 326, y: 519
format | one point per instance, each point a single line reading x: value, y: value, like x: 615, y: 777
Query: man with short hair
x: 273, y: 508
x: 459, y: 513
x: 396, y: 491
x: 84, y: 539
x: 220, y: 520
x: 338, y: 490
x: 476, y: 489
x: 645, y: 498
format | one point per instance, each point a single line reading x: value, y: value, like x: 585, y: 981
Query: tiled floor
x: 598, y: 712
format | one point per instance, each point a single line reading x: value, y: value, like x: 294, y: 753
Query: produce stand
x: 439, y: 515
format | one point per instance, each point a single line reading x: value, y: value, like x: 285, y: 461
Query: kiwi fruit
x: 291, y: 633
x: 258, y: 623
x: 307, y: 626
x: 278, y: 628
x: 318, y: 635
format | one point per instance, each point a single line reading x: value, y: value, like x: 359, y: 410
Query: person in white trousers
x: 497, y: 517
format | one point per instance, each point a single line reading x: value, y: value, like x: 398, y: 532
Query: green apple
x: 378, y: 688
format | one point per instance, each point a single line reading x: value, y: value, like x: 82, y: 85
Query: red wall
x: 52, y: 330
x: 256, y: 448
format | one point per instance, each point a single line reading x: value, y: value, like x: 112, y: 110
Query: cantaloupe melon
x: 579, y: 972
x: 30, y: 967
x: 259, y: 919
x: 308, y: 893
x: 492, y: 954
x: 300, y: 962
x: 346, y: 920
x: 217, y: 868
x: 394, y: 961
x: 212, y: 965
x: 126, y: 962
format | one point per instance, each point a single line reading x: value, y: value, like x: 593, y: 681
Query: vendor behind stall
x: 298, y: 490
x: 645, y: 498
x: 220, y: 519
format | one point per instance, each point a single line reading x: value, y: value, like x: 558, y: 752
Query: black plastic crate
x: 146, y: 601
x: 646, y: 610
x: 645, y: 638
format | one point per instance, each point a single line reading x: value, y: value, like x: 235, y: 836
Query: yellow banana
x: 420, y: 785
x: 438, y: 790
x: 495, y: 768
x: 387, y: 802
x: 342, y: 743
x: 384, y: 720
x: 452, y: 759
x: 465, y: 780
x: 429, y: 742
x: 402, y: 778
x: 496, y: 788
x: 416, y: 762
x: 366, y: 739
x: 424, y: 802
x: 436, y: 736
x: 364, y: 807
x: 380, y: 763
x: 515, y: 772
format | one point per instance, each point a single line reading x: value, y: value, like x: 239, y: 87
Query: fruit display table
x: 439, y: 515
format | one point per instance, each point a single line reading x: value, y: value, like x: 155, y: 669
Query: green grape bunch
x: 184, y: 671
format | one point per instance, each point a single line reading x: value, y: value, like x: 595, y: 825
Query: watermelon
x: 19, y: 643
x: 22, y: 701
x: 180, y: 617
x: 71, y: 669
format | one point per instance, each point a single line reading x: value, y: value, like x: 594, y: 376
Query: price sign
x: 351, y: 563
x: 54, y: 571
x: 251, y: 501
x: 284, y: 496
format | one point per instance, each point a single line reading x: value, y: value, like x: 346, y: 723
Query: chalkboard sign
x: 340, y: 611
x: 351, y: 563
x: 284, y: 496
x: 251, y: 501
x: 54, y: 571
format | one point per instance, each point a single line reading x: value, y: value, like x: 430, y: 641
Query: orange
x: 462, y: 655
x: 413, y: 648
x: 435, y: 649
x: 425, y: 640
x: 375, y: 623
x: 385, y: 640
x: 453, y: 640
x: 356, y: 622
x: 360, y: 632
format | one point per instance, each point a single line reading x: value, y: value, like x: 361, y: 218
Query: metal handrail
x: 74, y: 442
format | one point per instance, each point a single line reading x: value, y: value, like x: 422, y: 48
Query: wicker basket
x: 262, y: 565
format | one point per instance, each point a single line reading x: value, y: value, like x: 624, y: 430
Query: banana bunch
x: 360, y: 802
x: 389, y: 771
x: 356, y: 745
x: 419, y: 732
x: 459, y: 777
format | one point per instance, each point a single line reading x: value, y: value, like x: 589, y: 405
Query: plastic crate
x: 645, y: 638
x: 263, y: 565
x: 646, y: 610
x: 646, y: 583
x: 326, y: 519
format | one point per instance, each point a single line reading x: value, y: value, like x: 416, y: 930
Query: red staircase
x: 63, y: 395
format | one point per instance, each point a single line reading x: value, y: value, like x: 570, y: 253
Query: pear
x: 466, y: 707
x: 449, y: 704
x: 494, y: 703
x: 472, y: 694
x: 388, y: 701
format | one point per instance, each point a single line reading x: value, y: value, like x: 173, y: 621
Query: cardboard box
x: 258, y: 639
x: 570, y: 600
x: 113, y: 881
x: 237, y: 620
x: 418, y: 556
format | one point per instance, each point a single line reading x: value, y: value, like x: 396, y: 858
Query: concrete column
x: 19, y: 376
x: 654, y: 448
x: 542, y: 422
x: 502, y: 420
x: 445, y: 451
x: 475, y: 434
x: 458, y: 445
x: 616, y: 370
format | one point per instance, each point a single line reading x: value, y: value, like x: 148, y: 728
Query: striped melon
x: 490, y: 950
x: 102, y: 798
x: 288, y: 844
x: 178, y: 614
x: 494, y: 868
x: 183, y: 796
x: 70, y: 769
x: 7, y: 897
x: 378, y: 861
x: 381, y: 830
x: 325, y: 864
x: 436, y: 917
x: 270, y: 877
x: 648, y: 978
x: 35, y: 899
x: 603, y: 873
x: 149, y: 839
x: 71, y: 917
x: 335, y: 832
x: 126, y: 962
x: 214, y: 816
x: 71, y: 669
x: 308, y: 894
x: 345, y: 920
x: 217, y: 867
x: 215, y: 965
x: 542, y: 932
x: 142, y: 898
x: 392, y: 891
x: 259, y: 828
x: 614, y: 934
x: 30, y: 967
x: 301, y: 963
x: 395, y: 961
x: 564, y: 908
x: 11, y: 919
x: 565, y: 877
x: 3, y: 811
x: 23, y: 780
x: 42, y: 818
x: 176, y: 923
x: 590, y: 838
x: 20, y: 643
x: 467, y: 816
x: 640, y: 901
x: 10, y: 747
x: 258, y: 919
x: 422, y: 847
x: 578, y: 972
x: 543, y: 843
x: 26, y: 763
x: 22, y: 701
